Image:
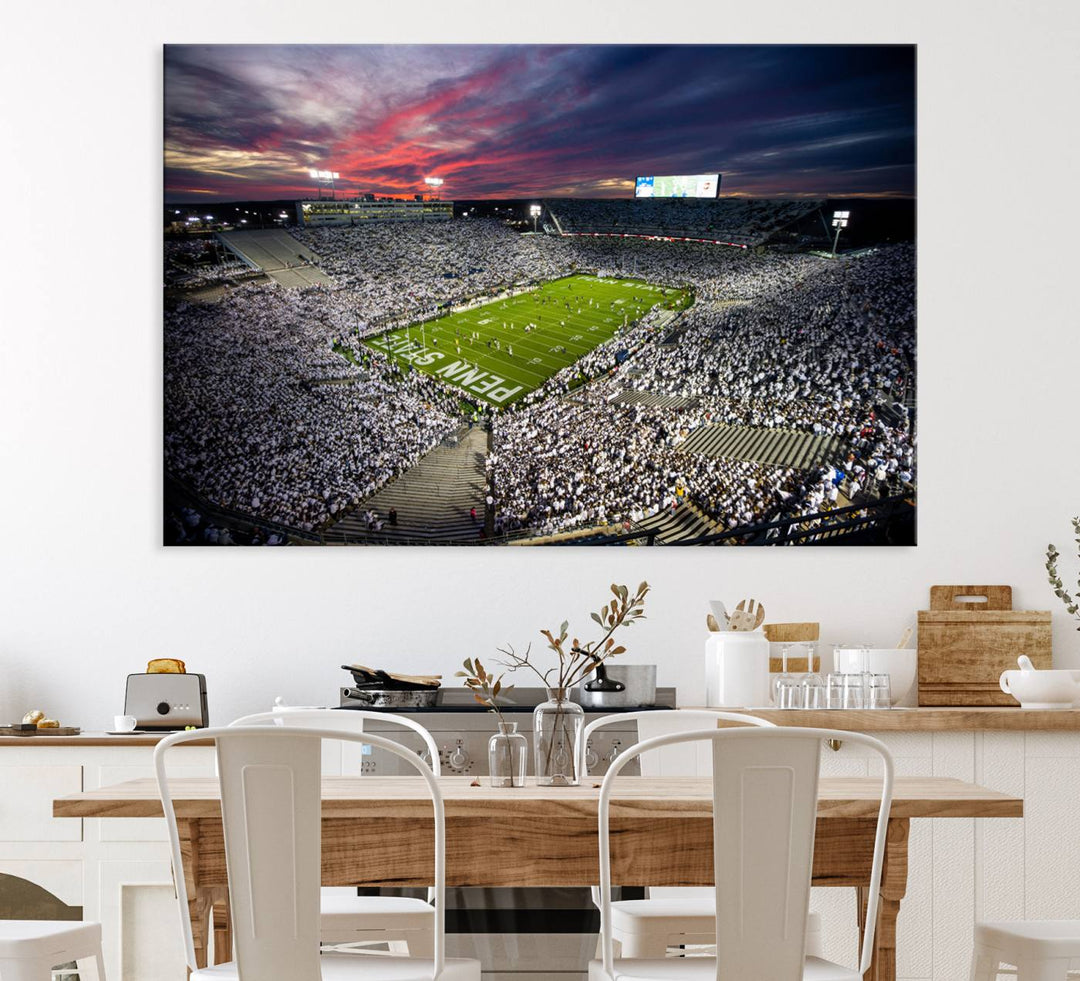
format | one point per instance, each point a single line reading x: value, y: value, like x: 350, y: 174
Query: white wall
x: 87, y: 594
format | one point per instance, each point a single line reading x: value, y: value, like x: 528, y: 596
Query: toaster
x: 164, y: 702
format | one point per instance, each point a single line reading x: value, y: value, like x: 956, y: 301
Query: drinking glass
x: 788, y: 692
x: 785, y: 676
x: 879, y: 694
x: 834, y: 690
x: 813, y: 691
x: 853, y: 691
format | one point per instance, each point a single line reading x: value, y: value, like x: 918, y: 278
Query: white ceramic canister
x: 737, y: 669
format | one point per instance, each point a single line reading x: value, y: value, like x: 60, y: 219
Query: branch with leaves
x: 486, y: 688
x: 1072, y: 603
x: 576, y: 661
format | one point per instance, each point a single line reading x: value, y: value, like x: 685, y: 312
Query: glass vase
x: 508, y: 755
x: 557, y: 725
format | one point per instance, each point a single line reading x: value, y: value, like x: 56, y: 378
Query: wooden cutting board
x: 56, y: 731
x: 969, y: 636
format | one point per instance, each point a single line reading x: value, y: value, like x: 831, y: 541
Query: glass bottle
x: 557, y: 725
x: 508, y: 755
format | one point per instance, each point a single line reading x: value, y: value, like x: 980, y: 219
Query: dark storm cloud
x: 527, y: 120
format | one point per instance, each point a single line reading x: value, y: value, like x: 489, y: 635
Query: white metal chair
x: 30, y: 949
x: 399, y: 921
x: 1041, y: 950
x: 765, y: 790
x: 674, y: 916
x: 271, y: 810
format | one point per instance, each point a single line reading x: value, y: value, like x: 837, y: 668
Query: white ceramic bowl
x: 1042, y: 689
x: 900, y: 664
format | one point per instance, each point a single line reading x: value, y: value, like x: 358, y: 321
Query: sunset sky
x: 502, y: 121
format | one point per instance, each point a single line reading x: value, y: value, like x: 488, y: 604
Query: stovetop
x: 518, y: 700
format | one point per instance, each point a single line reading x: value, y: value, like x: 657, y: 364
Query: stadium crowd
x: 266, y: 416
x: 262, y: 416
x: 816, y: 349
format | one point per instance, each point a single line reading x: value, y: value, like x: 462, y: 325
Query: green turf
x: 483, y: 366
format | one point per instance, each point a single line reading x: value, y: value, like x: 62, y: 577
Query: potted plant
x: 557, y: 723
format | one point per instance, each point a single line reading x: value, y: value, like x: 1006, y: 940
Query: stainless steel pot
x: 388, y: 698
x: 619, y: 686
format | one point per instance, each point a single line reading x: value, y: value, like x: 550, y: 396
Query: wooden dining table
x: 377, y: 832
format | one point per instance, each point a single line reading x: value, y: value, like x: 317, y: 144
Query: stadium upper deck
x: 738, y: 221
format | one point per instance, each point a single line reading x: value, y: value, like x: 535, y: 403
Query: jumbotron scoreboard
x: 680, y: 186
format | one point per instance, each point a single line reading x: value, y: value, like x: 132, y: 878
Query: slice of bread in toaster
x: 166, y: 665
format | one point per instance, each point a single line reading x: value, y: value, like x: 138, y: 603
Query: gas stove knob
x: 426, y: 756
x: 591, y: 757
x: 613, y: 753
x: 458, y: 758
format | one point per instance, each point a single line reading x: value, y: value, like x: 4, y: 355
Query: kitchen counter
x: 923, y: 719
x: 88, y: 739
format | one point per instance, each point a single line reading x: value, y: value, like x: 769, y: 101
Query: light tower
x: 434, y: 183
x: 839, y: 222
x: 324, y: 178
x: 535, y: 210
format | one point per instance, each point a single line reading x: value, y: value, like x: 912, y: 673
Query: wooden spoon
x: 748, y: 617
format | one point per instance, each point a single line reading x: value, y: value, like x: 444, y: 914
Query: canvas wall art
x: 524, y: 295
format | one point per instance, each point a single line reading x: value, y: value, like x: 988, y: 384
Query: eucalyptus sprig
x: 577, y: 660
x: 1072, y: 603
x: 486, y: 688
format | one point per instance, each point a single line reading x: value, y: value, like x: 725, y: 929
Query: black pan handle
x: 603, y: 683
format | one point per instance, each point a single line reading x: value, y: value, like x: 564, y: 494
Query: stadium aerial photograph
x: 523, y: 295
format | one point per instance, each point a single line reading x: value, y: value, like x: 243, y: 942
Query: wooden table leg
x: 208, y: 905
x: 893, y: 889
x: 199, y: 914
x: 222, y: 922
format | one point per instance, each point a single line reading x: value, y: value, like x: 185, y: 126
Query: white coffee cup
x: 124, y: 723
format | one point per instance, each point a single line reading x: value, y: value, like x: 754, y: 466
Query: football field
x: 507, y: 348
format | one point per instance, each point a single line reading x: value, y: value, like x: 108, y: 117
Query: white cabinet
x: 117, y: 870
x: 961, y: 870
x: 26, y: 804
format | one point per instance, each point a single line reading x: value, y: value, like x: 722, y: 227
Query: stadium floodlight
x: 324, y: 177
x: 535, y: 210
x: 434, y: 181
x: 839, y: 222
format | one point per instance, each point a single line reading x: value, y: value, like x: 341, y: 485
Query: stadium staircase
x: 631, y: 397
x: 685, y: 523
x: 773, y: 447
x: 277, y: 254
x: 432, y: 499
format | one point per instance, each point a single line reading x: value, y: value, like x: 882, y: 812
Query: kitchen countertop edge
x: 923, y: 719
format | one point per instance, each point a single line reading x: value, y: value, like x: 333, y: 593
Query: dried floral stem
x: 486, y: 688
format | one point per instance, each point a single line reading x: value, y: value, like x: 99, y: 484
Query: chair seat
x: 349, y: 967
x: 698, y: 915
x: 1031, y: 939
x: 41, y: 939
x: 704, y: 969
x: 376, y: 912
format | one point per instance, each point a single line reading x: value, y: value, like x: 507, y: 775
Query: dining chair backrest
x: 271, y: 808
x: 684, y: 760
x: 764, y: 797
x: 347, y: 720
